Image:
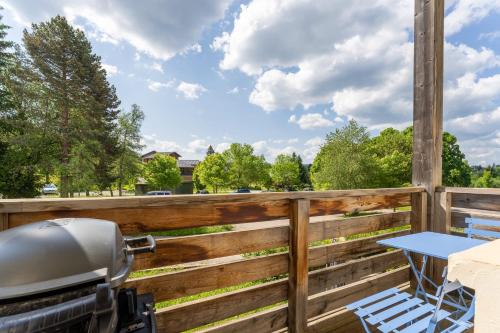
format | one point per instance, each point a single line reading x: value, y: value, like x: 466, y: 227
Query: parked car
x: 49, y: 189
x: 203, y: 192
x: 242, y: 190
x: 159, y: 193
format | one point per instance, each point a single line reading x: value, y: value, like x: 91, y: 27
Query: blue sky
x: 281, y: 74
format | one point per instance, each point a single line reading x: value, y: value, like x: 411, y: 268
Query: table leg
x: 418, y: 274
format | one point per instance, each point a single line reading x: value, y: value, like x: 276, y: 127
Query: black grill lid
x: 60, y: 253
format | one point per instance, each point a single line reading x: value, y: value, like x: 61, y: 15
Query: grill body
x: 65, y: 275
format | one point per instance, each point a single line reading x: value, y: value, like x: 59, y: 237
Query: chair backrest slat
x: 473, y: 223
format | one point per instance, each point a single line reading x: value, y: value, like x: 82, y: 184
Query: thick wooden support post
x: 428, y: 103
x: 298, y: 266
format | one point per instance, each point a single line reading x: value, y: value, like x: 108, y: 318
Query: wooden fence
x: 304, y: 289
x: 459, y: 203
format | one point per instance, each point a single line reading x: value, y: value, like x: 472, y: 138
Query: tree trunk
x: 65, y: 142
x: 111, y: 190
x: 120, y: 176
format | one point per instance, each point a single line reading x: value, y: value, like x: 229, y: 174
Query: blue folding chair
x: 393, y: 310
x: 475, y: 228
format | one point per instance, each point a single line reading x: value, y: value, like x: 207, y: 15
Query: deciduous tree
x: 245, y: 168
x: 213, y: 171
x: 162, y: 172
x: 128, y: 165
x: 344, y: 161
x: 285, y: 172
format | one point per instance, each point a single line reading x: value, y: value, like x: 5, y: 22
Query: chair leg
x: 365, y: 325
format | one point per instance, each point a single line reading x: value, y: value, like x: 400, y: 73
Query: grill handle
x: 130, y: 242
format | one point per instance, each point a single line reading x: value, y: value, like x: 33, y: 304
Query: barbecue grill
x: 64, y: 275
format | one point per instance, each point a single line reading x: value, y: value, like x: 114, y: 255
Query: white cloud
x: 476, y: 124
x: 356, y: 57
x: 314, y: 142
x: 156, y: 66
x: 161, y: 29
x: 468, y: 11
x: 195, y: 48
x: 470, y: 94
x: 156, y: 85
x: 288, y: 141
x: 153, y: 142
x: 490, y: 35
x: 270, y: 152
x: 111, y: 70
x: 190, y: 91
x: 234, y: 91
x: 222, y: 146
x: 198, y: 146
x: 311, y: 121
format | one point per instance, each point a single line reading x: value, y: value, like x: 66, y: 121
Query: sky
x: 281, y: 74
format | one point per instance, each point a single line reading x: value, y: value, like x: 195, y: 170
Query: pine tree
x: 83, y: 104
x: 5, y: 60
x: 17, y: 171
x: 210, y: 150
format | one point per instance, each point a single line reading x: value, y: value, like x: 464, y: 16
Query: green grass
x: 155, y: 271
x: 217, y: 291
x: 192, y: 231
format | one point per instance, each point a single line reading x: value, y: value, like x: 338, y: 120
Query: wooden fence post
x: 298, y: 266
x: 418, y: 223
x: 442, y: 224
x: 418, y: 217
x: 4, y: 221
x: 442, y: 221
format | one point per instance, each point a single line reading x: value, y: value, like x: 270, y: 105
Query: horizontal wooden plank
x: 458, y: 216
x: 178, y: 216
x: 216, y: 308
x: 321, y: 207
x: 335, y: 298
x: 56, y: 204
x: 263, y: 322
x: 178, y: 250
x: 172, y: 251
x: 208, y: 310
x: 196, y: 280
x: 139, y: 220
x: 331, y: 277
x: 275, y: 319
x: 343, y: 251
x: 476, y: 201
x: 337, y: 321
x: 469, y: 190
x: 363, y: 224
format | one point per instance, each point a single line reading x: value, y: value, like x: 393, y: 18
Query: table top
x: 432, y: 244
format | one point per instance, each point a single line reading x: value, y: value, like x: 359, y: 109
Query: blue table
x: 429, y: 244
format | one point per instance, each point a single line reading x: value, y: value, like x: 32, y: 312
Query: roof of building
x: 154, y: 152
x: 188, y: 163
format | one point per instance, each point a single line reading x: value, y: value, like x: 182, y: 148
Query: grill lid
x: 60, y: 253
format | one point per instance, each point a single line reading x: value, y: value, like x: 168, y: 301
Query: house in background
x: 186, y: 167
